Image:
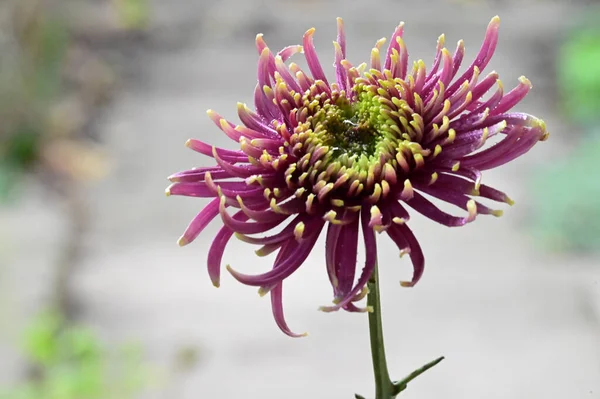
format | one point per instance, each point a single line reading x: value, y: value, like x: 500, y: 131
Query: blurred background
x: 97, y: 98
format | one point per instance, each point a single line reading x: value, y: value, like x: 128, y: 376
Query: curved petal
x: 207, y: 149
x: 247, y: 227
x: 277, y: 307
x: 188, y: 189
x: 197, y: 175
x: 517, y: 142
x: 199, y: 223
x: 345, y: 259
x: 277, y: 293
x: 407, y: 242
x: 284, y: 235
x: 483, y: 57
x: 217, y: 248
x: 331, y: 242
x: 311, y: 57
x: 284, y: 268
x: 460, y: 200
x: 254, y: 121
x: 428, y: 209
x: 370, y: 263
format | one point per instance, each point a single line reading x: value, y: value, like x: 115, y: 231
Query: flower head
x: 348, y: 156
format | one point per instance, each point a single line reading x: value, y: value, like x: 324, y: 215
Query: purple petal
x: 199, y: 223
x: 197, y: 189
x: 461, y: 200
x: 428, y: 209
x: 331, y: 242
x: 404, y: 238
x: 483, y: 57
x: 254, y: 121
x: 284, y: 235
x: 286, y: 76
x: 277, y: 292
x: 207, y: 149
x: 513, y: 97
x: 231, y: 189
x: 277, y: 307
x: 517, y: 142
x: 345, y: 259
x: 283, y: 269
x: 370, y: 263
x: 311, y: 57
x: 247, y: 227
x: 217, y: 248
x: 198, y: 174
x: 398, y: 32
x: 340, y: 72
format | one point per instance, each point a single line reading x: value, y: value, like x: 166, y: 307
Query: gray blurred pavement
x: 512, y: 322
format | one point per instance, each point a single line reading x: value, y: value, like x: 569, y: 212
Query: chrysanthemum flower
x: 347, y: 156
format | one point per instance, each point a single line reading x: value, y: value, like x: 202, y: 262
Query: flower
x: 347, y: 156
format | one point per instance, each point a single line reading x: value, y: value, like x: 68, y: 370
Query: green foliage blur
x: 567, y: 211
x: 35, y: 77
x: 30, y: 80
x: 71, y: 363
x: 578, y: 74
x: 134, y: 14
x: 568, y: 207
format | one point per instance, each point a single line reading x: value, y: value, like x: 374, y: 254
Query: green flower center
x: 347, y: 131
x: 351, y: 147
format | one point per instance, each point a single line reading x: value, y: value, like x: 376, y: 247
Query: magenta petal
x: 345, y: 259
x: 196, y: 189
x: 247, y: 227
x: 284, y: 72
x: 398, y: 32
x: 283, y: 269
x: 370, y: 263
x: 518, y: 141
x: 513, y: 97
x: 311, y: 57
x: 217, y: 248
x: 405, y: 238
x: 197, y: 175
x: 255, y: 122
x: 289, y: 51
x: 231, y: 189
x: 428, y: 209
x: 341, y: 37
x: 461, y: 200
x: 398, y: 211
x: 199, y: 223
x: 331, y: 242
x: 284, y: 235
x: 467, y: 143
x: 277, y: 292
x: 340, y: 72
x: 291, y: 207
x: 207, y: 149
x: 484, y: 86
x: 483, y: 57
x: 450, y: 182
x: 277, y: 307
x: 264, y: 107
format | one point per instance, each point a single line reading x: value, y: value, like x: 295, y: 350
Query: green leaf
x: 402, y: 384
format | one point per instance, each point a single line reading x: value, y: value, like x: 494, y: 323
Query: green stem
x: 384, y: 388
